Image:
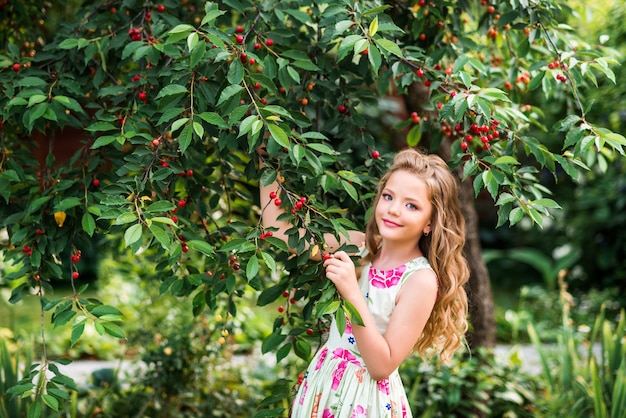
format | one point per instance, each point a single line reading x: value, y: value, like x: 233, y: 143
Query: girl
x: 410, y: 293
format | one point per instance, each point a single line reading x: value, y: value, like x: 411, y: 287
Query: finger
x: 343, y: 256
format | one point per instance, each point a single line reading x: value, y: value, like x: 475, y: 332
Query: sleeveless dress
x: 336, y: 383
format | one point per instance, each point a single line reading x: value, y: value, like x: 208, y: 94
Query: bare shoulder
x: 421, y: 285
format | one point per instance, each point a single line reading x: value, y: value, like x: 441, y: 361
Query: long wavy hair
x: 443, y: 247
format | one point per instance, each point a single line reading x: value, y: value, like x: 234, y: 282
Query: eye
x: 411, y: 206
x: 386, y: 196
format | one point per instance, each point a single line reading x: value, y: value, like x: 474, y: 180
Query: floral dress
x: 336, y: 383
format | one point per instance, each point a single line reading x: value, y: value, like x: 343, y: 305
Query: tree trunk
x: 481, y: 307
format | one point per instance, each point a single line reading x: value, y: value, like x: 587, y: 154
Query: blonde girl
x: 410, y: 292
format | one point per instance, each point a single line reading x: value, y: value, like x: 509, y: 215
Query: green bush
x: 473, y: 385
x: 585, y: 373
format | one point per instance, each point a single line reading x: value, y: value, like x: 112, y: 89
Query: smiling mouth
x: 389, y: 223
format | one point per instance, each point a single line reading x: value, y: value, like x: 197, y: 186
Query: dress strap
x: 414, y: 265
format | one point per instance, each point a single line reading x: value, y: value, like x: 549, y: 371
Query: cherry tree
x: 140, y: 120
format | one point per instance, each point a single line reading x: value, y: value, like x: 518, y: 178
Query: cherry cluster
x: 75, y: 259
x: 486, y: 133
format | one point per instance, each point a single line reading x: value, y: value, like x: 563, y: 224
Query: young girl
x: 410, y: 293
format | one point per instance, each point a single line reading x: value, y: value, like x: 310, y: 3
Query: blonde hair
x: 443, y: 247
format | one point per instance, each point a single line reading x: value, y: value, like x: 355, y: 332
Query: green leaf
x: 350, y: 189
x: 184, y: 139
x: 101, y: 127
x: 414, y: 136
x: 160, y: 206
x: 70, y: 43
x: 181, y: 28
x: 133, y: 234
x: 269, y: 260
x: 389, y: 47
x: 214, y: 119
x: 198, y: 129
x: 548, y: 203
x: 235, y: 72
x: 113, y: 330
x: 125, y: 218
x: 171, y: 90
x: 178, y: 123
x: 252, y: 268
x: 279, y: 135
x: 515, y: 216
x: 67, y: 203
x: 160, y: 235
x: 202, y: 246
x: 36, y: 98
x: 77, y: 332
x: 246, y: 125
x: 88, y: 223
x: 51, y: 402
x: 374, y: 58
x: 229, y: 92
x: 103, y: 141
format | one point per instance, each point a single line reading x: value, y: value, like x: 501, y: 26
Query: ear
x: 427, y: 230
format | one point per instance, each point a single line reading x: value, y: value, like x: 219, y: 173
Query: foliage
x: 589, y: 385
x: 169, y: 102
x: 10, y: 362
x: 473, y: 385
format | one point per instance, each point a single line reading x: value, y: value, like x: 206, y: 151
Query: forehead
x: 407, y: 183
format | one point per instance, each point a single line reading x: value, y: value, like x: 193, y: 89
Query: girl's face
x: 404, y: 210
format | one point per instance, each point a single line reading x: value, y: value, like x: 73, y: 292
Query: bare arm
x: 383, y: 353
x: 271, y: 211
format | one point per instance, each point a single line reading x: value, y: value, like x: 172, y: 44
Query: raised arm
x: 271, y: 197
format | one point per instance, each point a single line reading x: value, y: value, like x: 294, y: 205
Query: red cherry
x: 464, y: 145
x: 96, y: 182
x: 75, y: 275
x: 341, y: 108
x: 189, y: 173
x: 277, y: 201
x: 269, y: 42
x: 285, y: 293
x: 326, y: 256
x: 309, y: 331
x: 174, y: 219
x: 181, y: 203
x: 16, y: 67
x: 160, y: 8
x: 281, y: 309
x: 420, y: 72
x: 184, y: 248
x: 415, y: 117
x: 252, y: 61
x: 142, y: 95
x: 239, y: 39
x: 272, y: 195
x: 375, y: 154
x: 257, y: 45
x: 39, y: 231
x: 239, y: 29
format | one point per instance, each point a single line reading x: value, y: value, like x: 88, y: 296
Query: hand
x: 341, y: 271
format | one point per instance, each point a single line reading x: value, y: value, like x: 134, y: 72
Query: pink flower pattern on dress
x: 383, y: 386
x: 346, y: 357
x: 321, y: 359
x: 359, y: 412
x: 327, y: 414
x: 384, y: 279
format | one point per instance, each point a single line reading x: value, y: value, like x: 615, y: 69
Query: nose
x: 393, y: 207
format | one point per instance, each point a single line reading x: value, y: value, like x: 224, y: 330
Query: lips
x: 390, y: 224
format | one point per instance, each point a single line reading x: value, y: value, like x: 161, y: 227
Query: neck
x: 391, y: 255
